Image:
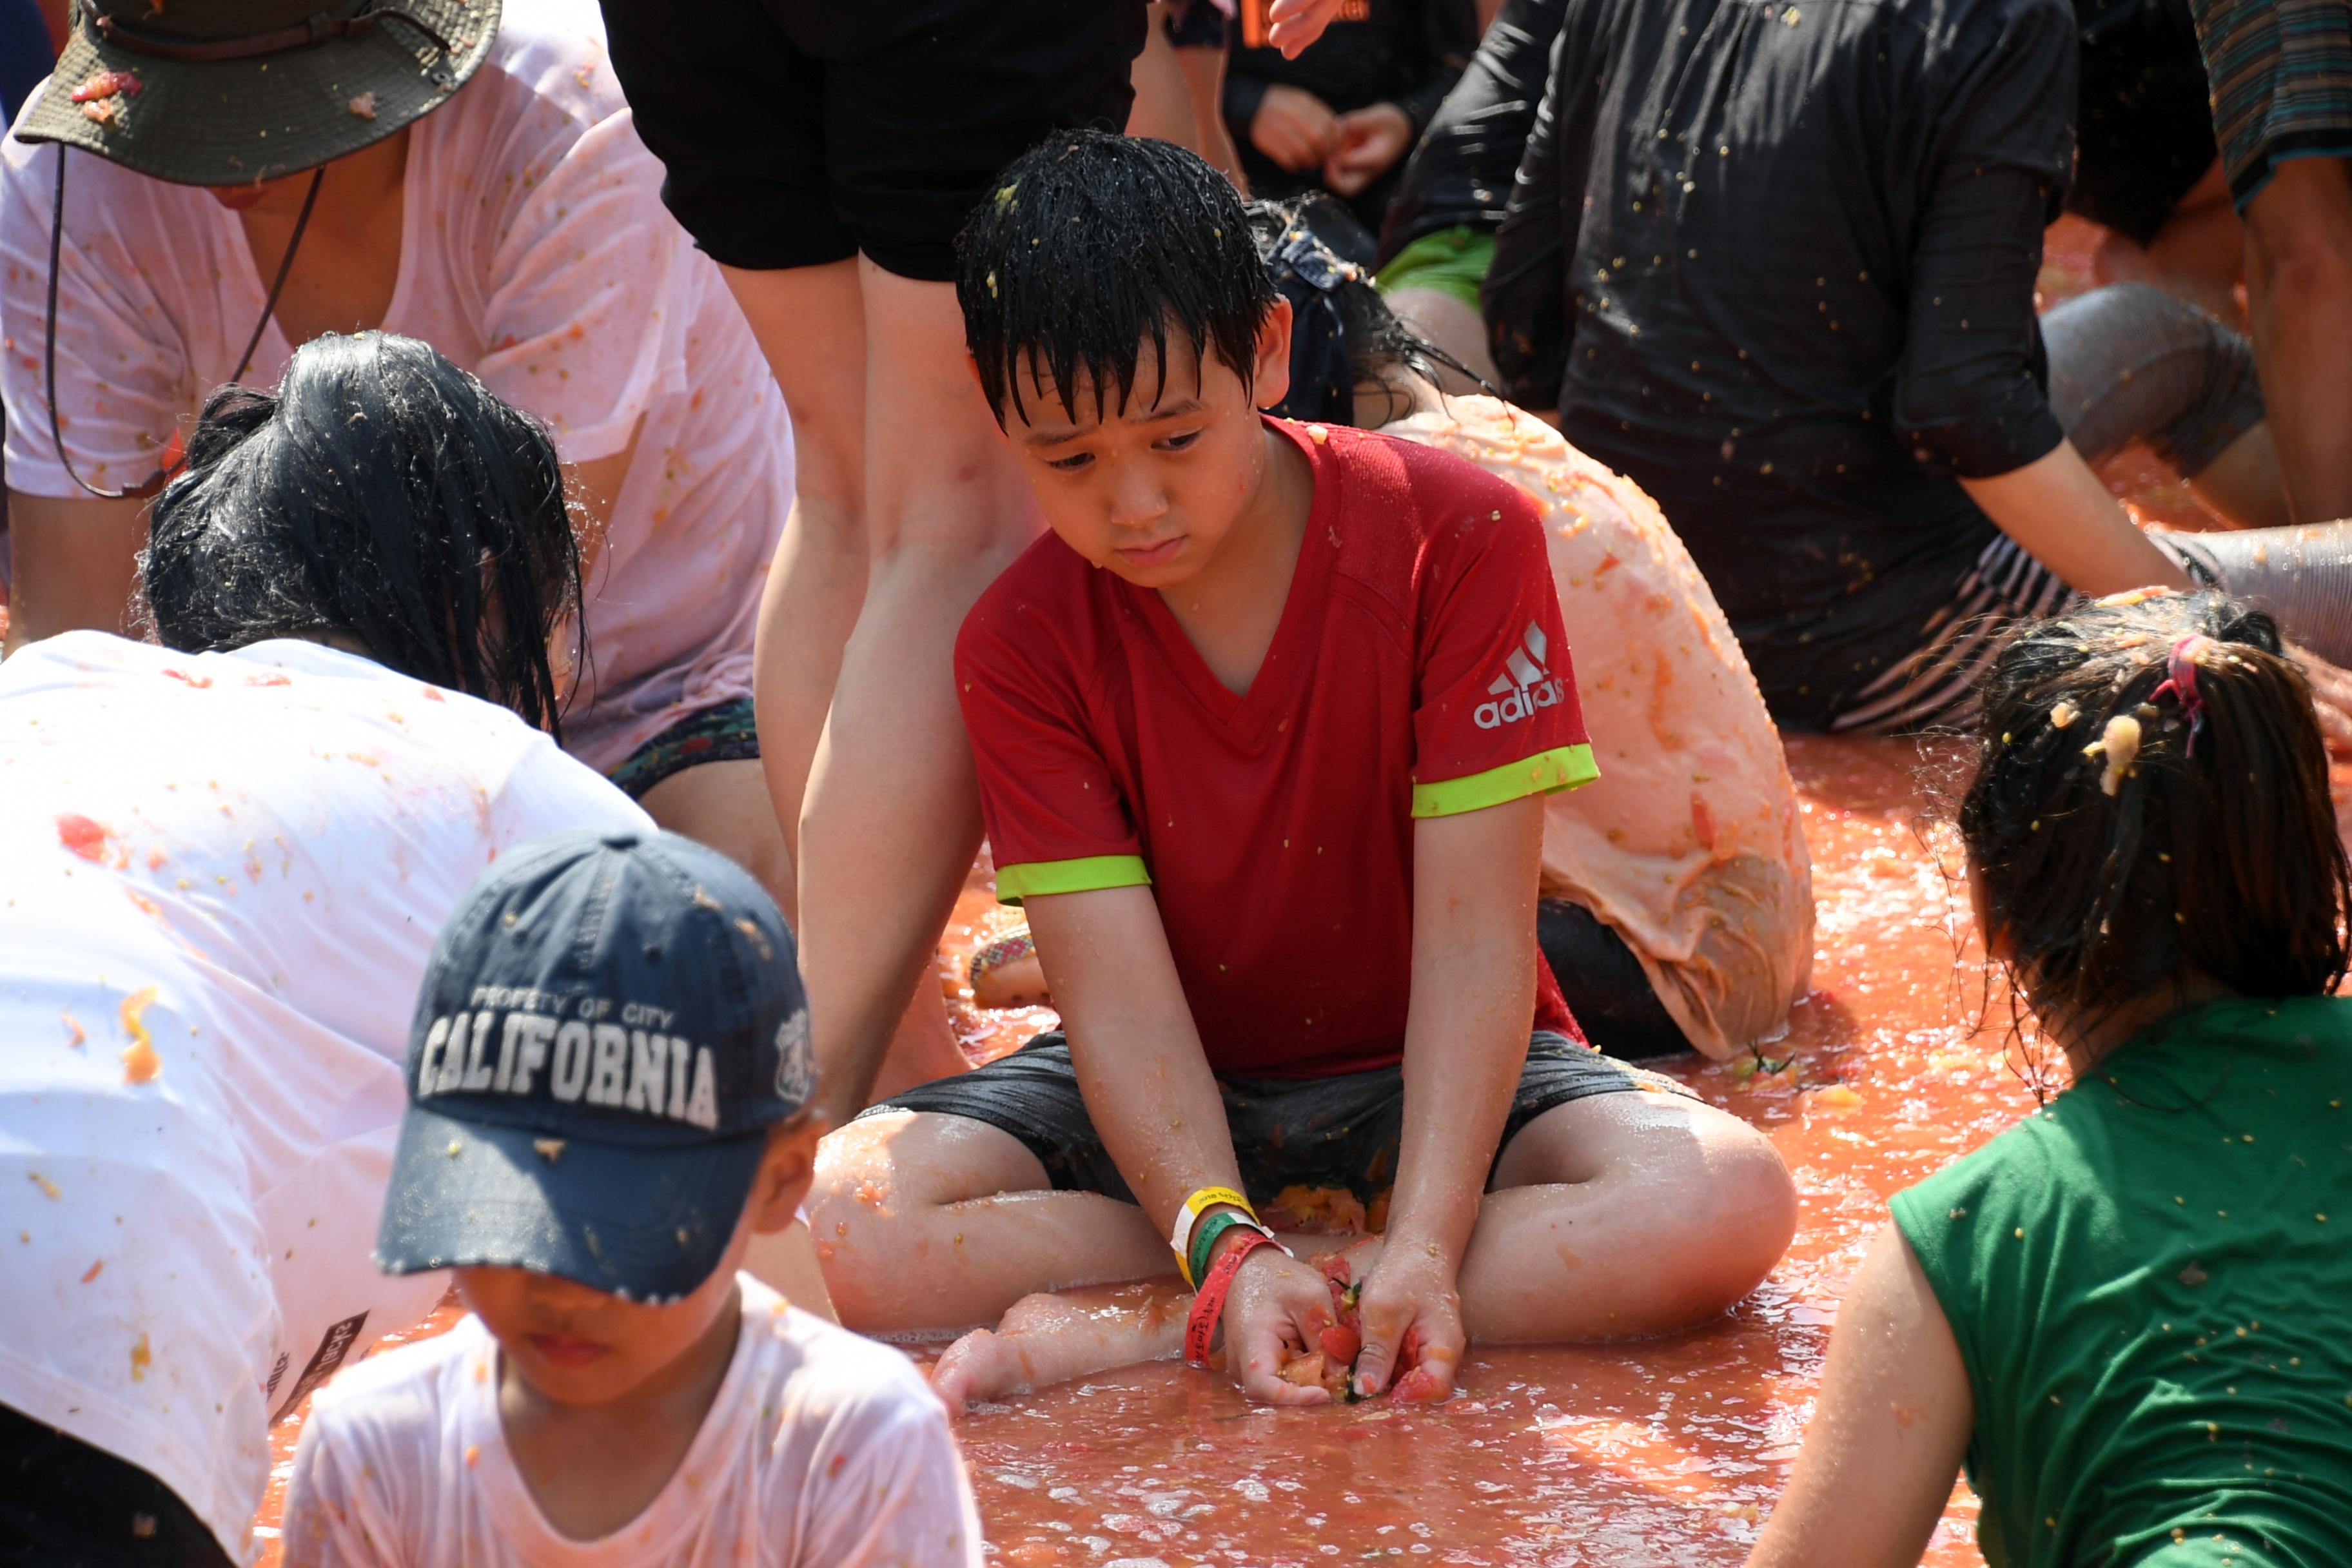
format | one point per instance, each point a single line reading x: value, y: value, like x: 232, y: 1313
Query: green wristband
x: 1204, y: 1239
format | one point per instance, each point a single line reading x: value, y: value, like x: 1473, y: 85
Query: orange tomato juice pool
x: 1657, y: 1452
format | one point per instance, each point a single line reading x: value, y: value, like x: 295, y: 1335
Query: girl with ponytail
x: 2129, y: 1318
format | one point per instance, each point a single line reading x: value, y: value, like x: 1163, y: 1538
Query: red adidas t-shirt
x: 1420, y: 670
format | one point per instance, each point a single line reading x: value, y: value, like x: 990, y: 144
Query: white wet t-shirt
x: 535, y: 252
x: 821, y: 1451
x: 220, y: 878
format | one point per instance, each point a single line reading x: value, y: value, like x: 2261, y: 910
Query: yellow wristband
x: 1206, y: 1198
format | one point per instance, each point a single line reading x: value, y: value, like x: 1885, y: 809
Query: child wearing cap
x: 609, y: 1078
x: 1263, y: 735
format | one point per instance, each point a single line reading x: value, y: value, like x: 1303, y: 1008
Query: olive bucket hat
x: 230, y: 92
x: 235, y: 92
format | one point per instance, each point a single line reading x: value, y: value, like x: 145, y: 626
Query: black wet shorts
x: 2144, y: 125
x: 65, y: 1504
x: 1315, y: 1132
x: 1607, y: 990
x: 797, y: 133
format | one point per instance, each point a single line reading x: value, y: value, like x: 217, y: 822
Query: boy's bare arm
x: 1474, y: 986
x: 1153, y: 1097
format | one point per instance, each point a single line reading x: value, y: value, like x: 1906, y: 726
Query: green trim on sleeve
x: 1546, y: 773
x: 1014, y: 883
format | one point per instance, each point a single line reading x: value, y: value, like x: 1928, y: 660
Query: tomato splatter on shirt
x: 140, y: 1062
x: 81, y: 834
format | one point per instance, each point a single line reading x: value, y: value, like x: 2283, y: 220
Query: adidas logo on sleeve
x: 1525, y: 685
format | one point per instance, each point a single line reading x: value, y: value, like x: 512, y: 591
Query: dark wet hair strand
x: 380, y: 494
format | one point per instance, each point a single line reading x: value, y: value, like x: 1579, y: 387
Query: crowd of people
x: 540, y: 538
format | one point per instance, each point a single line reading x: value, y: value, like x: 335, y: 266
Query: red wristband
x: 1209, y: 1306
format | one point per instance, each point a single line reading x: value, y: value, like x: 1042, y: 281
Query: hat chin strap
x: 315, y: 29
x: 154, y: 482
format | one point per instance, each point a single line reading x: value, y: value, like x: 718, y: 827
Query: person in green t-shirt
x: 2129, y: 1316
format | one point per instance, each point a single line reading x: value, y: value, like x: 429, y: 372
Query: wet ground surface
x: 1656, y: 1453
x: 1659, y: 1452
x: 1664, y: 1451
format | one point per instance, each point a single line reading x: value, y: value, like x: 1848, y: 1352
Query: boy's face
x: 575, y: 1345
x: 1151, y: 491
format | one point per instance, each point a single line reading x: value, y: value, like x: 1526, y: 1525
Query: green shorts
x: 1452, y: 261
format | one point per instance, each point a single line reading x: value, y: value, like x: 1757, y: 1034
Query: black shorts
x: 798, y: 132
x: 64, y: 1504
x: 1605, y: 986
x: 1340, y: 1131
x: 2144, y: 126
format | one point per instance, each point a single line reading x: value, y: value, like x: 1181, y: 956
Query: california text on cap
x: 610, y: 1025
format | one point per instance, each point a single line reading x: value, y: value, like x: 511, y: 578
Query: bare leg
x: 726, y: 805
x: 1613, y: 1217
x: 892, y: 815
x: 1624, y: 1215
x: 1049, y: 1338
x: 1204, y: 74
x: 927, y: 1223
x: 810, y: 324
x: 786, y: 1263
x: 2299, y: 285
x: 1163, y: 99
x: 2241, y: 486
x: 2197, y: 255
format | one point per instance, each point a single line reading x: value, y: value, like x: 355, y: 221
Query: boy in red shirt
x: 1262, y: 732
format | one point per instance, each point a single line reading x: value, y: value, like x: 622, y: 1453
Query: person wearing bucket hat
x: 610, y: 1080
x: 235, y: 177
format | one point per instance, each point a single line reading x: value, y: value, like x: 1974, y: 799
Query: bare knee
x: 860, y: 1194
x: 1749, y: 1219
x: 1733, y: 1215
x: 881, y: 1183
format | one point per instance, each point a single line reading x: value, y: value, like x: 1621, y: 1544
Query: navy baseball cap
x: 610, y: 1025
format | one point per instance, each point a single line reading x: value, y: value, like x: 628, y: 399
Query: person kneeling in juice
x: 1264, y: 730
x: 2130, y: 1315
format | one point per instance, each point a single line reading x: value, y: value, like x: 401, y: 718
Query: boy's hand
x: 1292, y: 25
x: 1293, y: 127
x: 1370, y: 141
x: 1279, y: 1308
x: 1411, y: 1314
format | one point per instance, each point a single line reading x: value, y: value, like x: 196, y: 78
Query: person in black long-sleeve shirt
x: 1342, y: 116
x: 1775, y: 261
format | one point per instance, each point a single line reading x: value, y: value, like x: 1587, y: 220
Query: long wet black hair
x: 382, y: 495
x: 2151, y: 792
x: 1345, y: 342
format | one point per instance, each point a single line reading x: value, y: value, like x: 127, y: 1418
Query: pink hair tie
x: 2180, y: 681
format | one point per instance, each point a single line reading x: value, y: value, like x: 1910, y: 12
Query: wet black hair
x: 1344, y: 339
x: 381, y: 494
x: 2110, y: 859
x: 1091, y: 244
